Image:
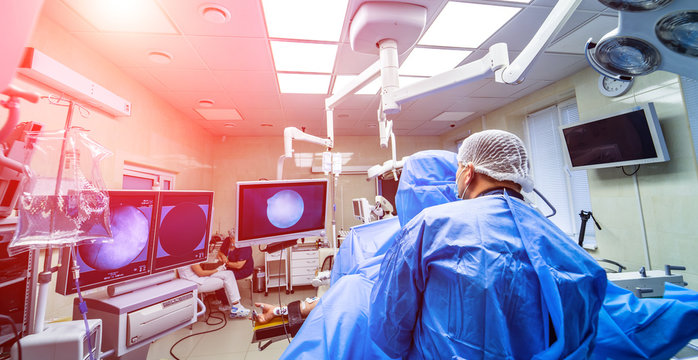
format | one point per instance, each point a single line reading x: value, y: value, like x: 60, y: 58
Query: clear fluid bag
x: 64, y: 200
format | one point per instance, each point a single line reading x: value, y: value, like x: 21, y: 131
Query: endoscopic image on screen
x: 183, y: 228
x: 280, y: 209
x: 126, y: 256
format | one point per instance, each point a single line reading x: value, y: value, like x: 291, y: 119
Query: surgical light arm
x: 291, y: 133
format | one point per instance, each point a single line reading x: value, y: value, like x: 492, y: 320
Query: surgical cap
x: 498, y: 154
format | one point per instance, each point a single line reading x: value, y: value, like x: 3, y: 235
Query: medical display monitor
x: 631, y: 137
x: 275, y: 211
x: 183, y: 228
x: 132, y: 221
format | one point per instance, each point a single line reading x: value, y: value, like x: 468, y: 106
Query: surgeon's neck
x: 482, y: 183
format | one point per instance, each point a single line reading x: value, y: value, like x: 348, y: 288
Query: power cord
x: 17, y: 334
x: 82, y: 306
x: 221, y: 320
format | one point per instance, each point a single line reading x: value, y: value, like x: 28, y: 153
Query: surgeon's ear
x: 469, y: 173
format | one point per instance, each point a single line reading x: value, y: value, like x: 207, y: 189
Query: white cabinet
x: 303, y: 265
x: 276, y: 270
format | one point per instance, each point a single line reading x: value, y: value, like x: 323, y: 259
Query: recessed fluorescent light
x: 429, y: 62
x: 303, y: 83
x: 369, y: 89
x: 452, y: 115
x: 303, y: 57
x: 466, y: 25
x: 374, y: 86
x: 219, y: 114
x: 136, y: 16
x: 305, y: 19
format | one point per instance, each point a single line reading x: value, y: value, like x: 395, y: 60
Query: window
x: 567, y: 190
x: 140, y: 178
x: 690, y: 96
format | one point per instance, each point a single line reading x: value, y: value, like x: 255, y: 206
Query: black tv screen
x: 274, y: 211
x: 183, y: 227
x: 631, y: 137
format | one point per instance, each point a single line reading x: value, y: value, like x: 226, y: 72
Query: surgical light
x: 679, y: 32
x: 634, y: 5
x: 627, y: 56
x: 651, y: 35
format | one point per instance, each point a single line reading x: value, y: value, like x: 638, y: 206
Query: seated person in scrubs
x: 214, y: 279
x: 488, y: 277
x: 238, y: 260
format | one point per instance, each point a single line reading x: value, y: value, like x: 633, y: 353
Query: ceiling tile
x: 289, y: 101
x: 516, y: 34
x: 59, y: 12
x: 574, y: 42
x: 270, y: 116
x: 127, y: 49
x: 143, y: 76
x: 555, y: 67
x: 350, y: 62
x: 190, y: 99
x: 247, y: 81
x: 493, y: 89
x: 186, y: 80
x: 481, y: 104
x: 356, y: 102
x: 246, y: 18
x: 233, y: 53
x: 256, y: 100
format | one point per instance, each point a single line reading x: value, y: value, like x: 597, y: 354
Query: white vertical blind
x: 567, y: 190
x: 546, y: 164
x: 578, y: 182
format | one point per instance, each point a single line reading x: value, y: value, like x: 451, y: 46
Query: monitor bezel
x: 282, y: 237
x: 656, y: 134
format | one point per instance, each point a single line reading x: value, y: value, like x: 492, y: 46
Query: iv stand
x: 47, y: 274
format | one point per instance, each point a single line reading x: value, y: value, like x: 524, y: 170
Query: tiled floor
x: 233, y: 342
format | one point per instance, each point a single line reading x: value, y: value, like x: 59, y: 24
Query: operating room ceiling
x: 220, y: 72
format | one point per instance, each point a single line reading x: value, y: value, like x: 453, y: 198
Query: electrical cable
x: 631, y: 174
x: 82, y: 306
x: 17, y: 334
x: 211, y: 314
x: 278, y: 292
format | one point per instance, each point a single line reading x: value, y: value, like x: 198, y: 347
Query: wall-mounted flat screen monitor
x: 274, y: 211
x: 183, y: 228
x: 631, y: 137
x: 132, y: 220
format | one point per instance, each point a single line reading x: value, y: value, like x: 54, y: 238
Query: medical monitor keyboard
x: 152, y: 231
x: 275, y: 211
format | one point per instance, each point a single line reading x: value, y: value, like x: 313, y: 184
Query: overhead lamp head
x: 623, y: 57
x: 679, y: 32
x: 635, y: 5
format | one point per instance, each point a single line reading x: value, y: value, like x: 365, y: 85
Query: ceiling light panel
x: 138, y: 16
x: 305, y: 19
x: 466, y: 25
x: 303, y: 83
x: 342, y: 81
x: 429, y: 62
x: 303, y: 57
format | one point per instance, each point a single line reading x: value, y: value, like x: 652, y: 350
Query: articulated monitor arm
x: 291, y: 133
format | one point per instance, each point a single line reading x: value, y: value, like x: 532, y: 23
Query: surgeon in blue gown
x: 488, y: 277
x: 337, y: 328
x: 629, y: 328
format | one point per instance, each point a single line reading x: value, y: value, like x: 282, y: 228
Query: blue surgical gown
x: 482, y: 279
